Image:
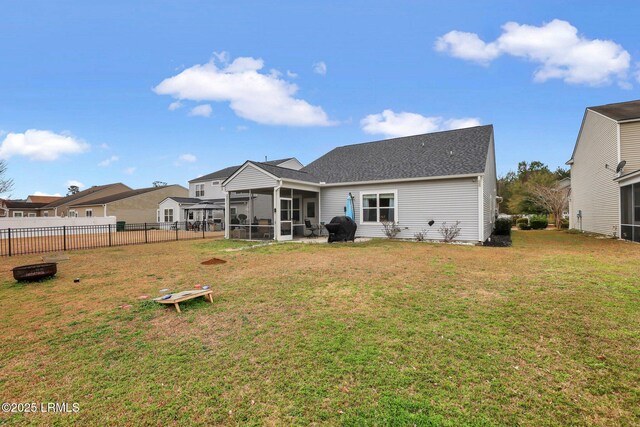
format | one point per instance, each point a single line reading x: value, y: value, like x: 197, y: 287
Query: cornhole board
x: 178, y: 297
x: 55, y: 257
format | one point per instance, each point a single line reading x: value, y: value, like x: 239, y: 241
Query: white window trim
x: 18, y: 212
x: 45, y: 214
x: 86, y: 211
x: 73, y: 214
x: 377, y: 193
x: 158, y: 215
x: 31, y: 215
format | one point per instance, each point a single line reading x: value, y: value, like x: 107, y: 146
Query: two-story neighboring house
x: 605, y: 172
x: 206, y: 198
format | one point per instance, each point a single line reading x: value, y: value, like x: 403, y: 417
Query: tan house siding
x: 63, y: 210
x: 135, y: 209
x: 630, y: 145
x: 593, y: 190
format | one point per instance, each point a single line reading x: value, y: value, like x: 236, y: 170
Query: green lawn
x: 383, y: 333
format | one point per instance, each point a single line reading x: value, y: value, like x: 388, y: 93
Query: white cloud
x: 292, y: 75
x: 556, y: 46
x: 241, y: 128
x: 203, y: 110
x: 189, y: 158
x: 129, y: 171
x: 104, y: 146
x: 40, y: 145
x: 40, y: 193
x: 75, y: 183
x: 175, y: 105
x: 262, y: 98
x: 392, y: 124
x: 320, y: 68
x: 107, y: 162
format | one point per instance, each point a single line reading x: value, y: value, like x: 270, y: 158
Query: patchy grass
x: 383, y: 332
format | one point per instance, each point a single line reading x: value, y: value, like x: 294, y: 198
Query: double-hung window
x: 199, y: 190
x: 379, y: 206
x: 168, y: 215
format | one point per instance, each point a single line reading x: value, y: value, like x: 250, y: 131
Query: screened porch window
x: 630, y: 212
x: 379, y: 207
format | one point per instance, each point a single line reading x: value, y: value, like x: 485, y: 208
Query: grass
x: 378, y: 333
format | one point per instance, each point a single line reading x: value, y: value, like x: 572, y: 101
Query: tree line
x: 533, y: 188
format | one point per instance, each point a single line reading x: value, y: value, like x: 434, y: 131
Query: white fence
x: 38, y: 222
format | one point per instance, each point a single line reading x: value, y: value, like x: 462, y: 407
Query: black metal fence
x: 22, y: 241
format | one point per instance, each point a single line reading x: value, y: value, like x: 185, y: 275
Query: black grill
x: 341, y: 229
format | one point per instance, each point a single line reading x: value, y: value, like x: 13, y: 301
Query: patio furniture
x: 179, y: 297
x: 312, y: 228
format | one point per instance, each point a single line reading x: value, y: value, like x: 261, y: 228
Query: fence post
x: 64, y: 237
x: 9, y: 242
x: 109, y: 234
x: 145, y: 233
x: 176, y: 230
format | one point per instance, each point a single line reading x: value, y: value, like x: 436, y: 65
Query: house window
x: 88, y: 213
x: 31, y: 214
x: 18, y: 215
x: 233, y: 212
x: 73, y: 214
x: 199, y: 190
x: 45, y: 213
x: 190, y: 215
x: 157, y: 215
x: 378, y: 206
x: 168, y: 215
x: 215, y: 183
x: 311, y: 209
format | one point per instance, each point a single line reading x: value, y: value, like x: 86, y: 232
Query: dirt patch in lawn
x: 213, y: 261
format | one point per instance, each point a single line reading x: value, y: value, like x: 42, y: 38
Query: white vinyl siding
x: 490, y: 192
x: 250, y: 178
x: 417, y: 203
x: 593, y: 191
x: 630, y: 146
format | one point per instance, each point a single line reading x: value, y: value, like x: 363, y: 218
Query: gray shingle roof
x: 287, y: 173
x: 619, y: 111
x: 454, y: 152
x: 22, y: 204
x: 227, y: 172
x: 80, y: 194
x: 120, y: 196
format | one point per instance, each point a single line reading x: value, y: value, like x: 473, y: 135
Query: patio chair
x: 312, y: 228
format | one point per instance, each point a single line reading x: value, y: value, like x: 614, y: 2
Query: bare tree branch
x: 551, y: 197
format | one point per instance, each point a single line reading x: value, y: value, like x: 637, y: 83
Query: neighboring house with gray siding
x: 444, y: 176
x: 603, y: 200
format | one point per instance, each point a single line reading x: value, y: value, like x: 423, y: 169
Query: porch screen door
x: 286, y: 223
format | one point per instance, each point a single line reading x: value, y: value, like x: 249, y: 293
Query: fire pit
x: 35, y: 272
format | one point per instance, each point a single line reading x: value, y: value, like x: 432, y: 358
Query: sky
x: 135, y: 92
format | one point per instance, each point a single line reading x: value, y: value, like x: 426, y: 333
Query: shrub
x: 539, y: 222
x: 449, y: 232
x: 421, y: 236
x: 523, y: 223
x: 391, y: 229
x: 564, y: 224
x: 503, y: 227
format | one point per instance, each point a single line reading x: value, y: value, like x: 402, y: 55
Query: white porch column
x: 276, y: 213
x: 227, y: 214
